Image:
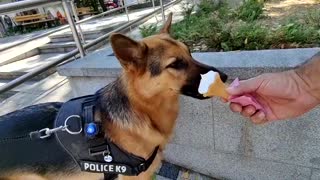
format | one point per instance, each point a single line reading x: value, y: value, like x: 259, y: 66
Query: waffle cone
x: 218, y: 88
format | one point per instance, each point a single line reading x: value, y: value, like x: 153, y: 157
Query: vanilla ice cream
x: 212, y: 85
x: 206, y: 80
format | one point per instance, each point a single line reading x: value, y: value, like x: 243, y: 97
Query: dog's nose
x: 223, y: 76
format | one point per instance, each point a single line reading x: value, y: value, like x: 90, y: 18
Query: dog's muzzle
x: 193, y: 82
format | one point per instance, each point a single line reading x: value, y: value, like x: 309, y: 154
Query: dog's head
x: 160, y: 65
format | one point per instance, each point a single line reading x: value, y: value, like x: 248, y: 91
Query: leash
x: 47, y: 132
x: 19, y: 149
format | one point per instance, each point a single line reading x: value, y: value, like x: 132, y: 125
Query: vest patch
x: 103, y: 167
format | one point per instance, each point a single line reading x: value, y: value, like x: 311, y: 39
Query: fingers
x: 236, y: 107
x: 257, y: 117
x: 223, y: 100
x: 248, y: 111
x: 246, y: 86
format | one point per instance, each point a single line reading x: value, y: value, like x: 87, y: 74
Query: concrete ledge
x: 210, y: 138
x: 243, y: 64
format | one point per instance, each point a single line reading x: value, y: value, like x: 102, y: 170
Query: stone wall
x: 210, y: 138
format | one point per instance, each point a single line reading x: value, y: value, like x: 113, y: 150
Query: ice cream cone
x: 212, y: 85
x: 217, y: 88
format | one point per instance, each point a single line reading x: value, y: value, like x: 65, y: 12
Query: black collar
x: 90, y: 149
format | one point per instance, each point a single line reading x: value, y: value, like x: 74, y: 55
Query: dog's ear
x: 167, y: 26
x: 130, y: 53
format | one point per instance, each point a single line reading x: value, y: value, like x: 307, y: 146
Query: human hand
x: 283, y: 95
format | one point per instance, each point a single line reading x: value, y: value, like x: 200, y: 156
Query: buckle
x: 142, y: 167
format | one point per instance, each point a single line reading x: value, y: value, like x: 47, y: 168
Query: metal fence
x: 80, y: 48
x: 61, y: 28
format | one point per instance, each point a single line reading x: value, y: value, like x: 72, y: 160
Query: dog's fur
x: 139, y: 109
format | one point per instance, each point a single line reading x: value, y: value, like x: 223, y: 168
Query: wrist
x: 308, y: 76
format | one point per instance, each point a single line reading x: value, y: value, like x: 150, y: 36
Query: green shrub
x: 208, y: 6
x: 250, y: 10
x: 221, y: 28
x: 294, y: 32
x: 148, y: 30
x: 256, y: 36
x: 313, y: 18
x: 248, y: 36
x: 195, y: 28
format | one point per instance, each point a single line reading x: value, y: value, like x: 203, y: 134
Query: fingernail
x: 261, y: 115
x: 230, y: 89
x: 251, y: 111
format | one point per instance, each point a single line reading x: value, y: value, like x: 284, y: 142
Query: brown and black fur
x: 139, y: 109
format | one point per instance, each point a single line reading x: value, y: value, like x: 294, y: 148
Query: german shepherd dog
x: 142, y: 104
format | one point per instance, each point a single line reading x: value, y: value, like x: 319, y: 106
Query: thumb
x: 246, y: 86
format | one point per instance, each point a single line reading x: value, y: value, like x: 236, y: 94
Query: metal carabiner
x: 47, y: 132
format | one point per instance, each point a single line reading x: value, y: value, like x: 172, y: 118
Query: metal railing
x: 10, y: 85
x: 25, y: 5
x: 61, y: 28
x: 76, y: 17
x: 66, y: 4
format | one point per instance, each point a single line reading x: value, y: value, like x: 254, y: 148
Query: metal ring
x: 66, y: 124
x: 105, y: 153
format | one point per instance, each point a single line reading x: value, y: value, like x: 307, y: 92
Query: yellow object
x: 217, y: 88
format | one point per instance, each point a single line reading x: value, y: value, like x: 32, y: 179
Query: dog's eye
x: 178, y: 64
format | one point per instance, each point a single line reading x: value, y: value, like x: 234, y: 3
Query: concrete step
x: 68, y: 37
x: 61, y: 47
x: 18, y: 68
x: 22, y: 51
x: 54, y: 88
x: 65, y: 47
x: 88, y: 34
x: 15, y: 90
x: 19, y: 57
x: 18, y: 88
x: 6, y: 95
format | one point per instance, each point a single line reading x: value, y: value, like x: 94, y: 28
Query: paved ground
x: 279, y: 11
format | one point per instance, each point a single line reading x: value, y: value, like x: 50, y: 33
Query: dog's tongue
x: 245, y: 99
